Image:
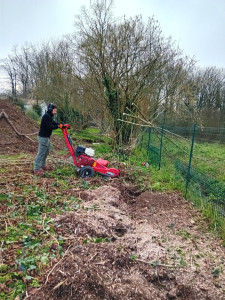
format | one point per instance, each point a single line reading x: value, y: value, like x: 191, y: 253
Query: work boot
x: 47, y: 168
x: 39, y: 172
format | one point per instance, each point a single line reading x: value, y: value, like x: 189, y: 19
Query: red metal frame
x: 98, y: 165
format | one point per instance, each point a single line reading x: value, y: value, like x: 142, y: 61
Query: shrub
x: 37, y: 109
x: 18, y: 102
x: 32, y: 114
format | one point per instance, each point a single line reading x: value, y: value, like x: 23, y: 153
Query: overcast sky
x: 198, y: 26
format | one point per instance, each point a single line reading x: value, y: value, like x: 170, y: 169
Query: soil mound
x: 19, y: 132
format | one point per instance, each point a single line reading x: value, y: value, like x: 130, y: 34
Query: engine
x: 85, y: 160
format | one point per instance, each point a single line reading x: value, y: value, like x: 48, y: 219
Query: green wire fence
x: 196, y: 154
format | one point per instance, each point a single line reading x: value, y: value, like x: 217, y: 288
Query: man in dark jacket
x: 47, y: 125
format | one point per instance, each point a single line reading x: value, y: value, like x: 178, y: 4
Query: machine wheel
x: 77, y: 170
x: 86, y: 172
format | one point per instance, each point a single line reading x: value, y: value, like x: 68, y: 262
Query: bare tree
x: 21, y: 58
x: 55, y: 80
x: 9, y: 66
x: 209, y: 92
x: 125, y: 59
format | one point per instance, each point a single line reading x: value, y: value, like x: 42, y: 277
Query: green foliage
x: 206, y: 187
x: 37, y: 108
x: 133, y: 257
x: 207, y: 157
x: 91, y: 135
x: 31, y: 231
x: 3, y: 197
x: 97, y: 240
x: 184, y: 234
x: 57, y: 132
x: 102, y: 149
x: 32, y: 114
x: 210, y: 187
x: 18, y: 102
x: 67, y: 114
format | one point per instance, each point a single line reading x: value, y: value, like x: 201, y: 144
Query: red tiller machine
x: 85, y: 164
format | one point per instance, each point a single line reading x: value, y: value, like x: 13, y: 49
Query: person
x: 47, y: 126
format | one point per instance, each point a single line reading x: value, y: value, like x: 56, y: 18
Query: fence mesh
x: 196, y: 154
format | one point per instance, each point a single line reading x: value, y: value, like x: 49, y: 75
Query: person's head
x: 52, y: 108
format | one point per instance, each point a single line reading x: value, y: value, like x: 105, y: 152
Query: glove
x: 64, y: 126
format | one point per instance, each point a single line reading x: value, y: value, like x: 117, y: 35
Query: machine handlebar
x: 61, y: 126
x: 67, y: 126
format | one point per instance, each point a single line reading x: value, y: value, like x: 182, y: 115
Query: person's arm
x: 49, y: 123
x: 55, y: 123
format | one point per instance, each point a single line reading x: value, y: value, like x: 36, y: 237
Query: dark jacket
x: 47, y: 125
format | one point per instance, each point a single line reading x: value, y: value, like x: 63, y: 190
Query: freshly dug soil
x: 18, y: 131
x: 128, y: 245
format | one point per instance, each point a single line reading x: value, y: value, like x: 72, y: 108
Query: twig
x: 57, y: 264
x: 143, y: 119
x: 136, y: 117
x: 59, y: 284
x: 158, y: 115
x: 139, y: 111
x: 137, y: 124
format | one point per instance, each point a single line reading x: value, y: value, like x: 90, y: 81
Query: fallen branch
x: 3, y: 114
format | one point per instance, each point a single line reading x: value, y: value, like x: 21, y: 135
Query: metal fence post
x: 141, y: 140
x: 149, y: 139
x: 161, y: 145
x: 190, y: 158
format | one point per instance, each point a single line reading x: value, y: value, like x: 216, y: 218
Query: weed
x: 133, y: 257
x: 97, y: 240
x: 184, y: 234
x: 216, y: 272
x: 3, y: 196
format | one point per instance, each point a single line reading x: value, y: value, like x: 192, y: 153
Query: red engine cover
x: 102, y: 162
x: 85, y: 160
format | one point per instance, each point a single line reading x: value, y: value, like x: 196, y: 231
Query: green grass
x: 14, y: 156
x: 57, y: 132
x: 207, y: 184
x: 92, y: 135
x: 207, y: 157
